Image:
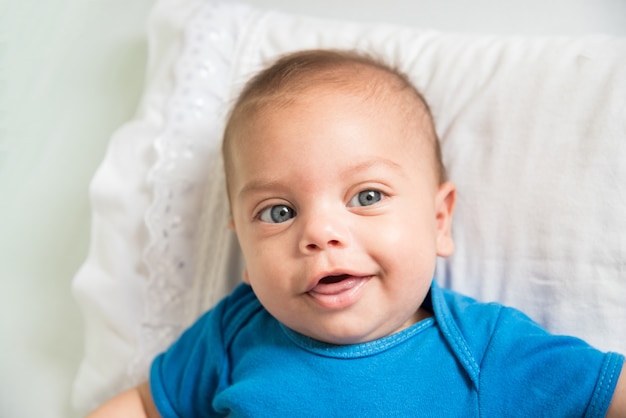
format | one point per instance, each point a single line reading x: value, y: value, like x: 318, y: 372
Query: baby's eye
x: 366, y: 198
x: 277, y: 214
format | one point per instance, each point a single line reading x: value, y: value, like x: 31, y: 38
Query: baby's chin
x: 347, y: 335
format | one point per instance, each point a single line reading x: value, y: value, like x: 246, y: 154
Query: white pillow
x: 532, y: 132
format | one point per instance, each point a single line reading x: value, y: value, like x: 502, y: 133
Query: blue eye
x: 366, y: 198
x: 277, y: 214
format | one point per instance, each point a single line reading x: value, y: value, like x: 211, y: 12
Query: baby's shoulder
x: 472, y: 317
x: 492, y: 332
x: 487, y: 326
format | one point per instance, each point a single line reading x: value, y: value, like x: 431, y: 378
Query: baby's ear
x: 445, y: 200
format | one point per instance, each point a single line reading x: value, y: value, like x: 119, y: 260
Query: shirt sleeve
x: 184, y: 379
x: 189, y: 367
x: 530, y: 372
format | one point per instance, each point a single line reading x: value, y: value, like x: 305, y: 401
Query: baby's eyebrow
x: 257, y: 186
x: 372, y: 163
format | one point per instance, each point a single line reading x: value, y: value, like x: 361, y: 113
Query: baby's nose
x: 323, y: 231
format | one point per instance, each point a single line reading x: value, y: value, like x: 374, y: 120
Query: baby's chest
x: 398, y: 382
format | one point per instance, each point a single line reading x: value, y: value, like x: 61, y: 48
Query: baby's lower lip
x: 338, y: 292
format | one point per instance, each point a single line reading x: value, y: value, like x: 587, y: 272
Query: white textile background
x: 71, y: 72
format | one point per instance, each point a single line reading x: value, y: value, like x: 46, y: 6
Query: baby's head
x: 338, y: 195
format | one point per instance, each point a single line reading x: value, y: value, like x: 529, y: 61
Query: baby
x: 341, y: 206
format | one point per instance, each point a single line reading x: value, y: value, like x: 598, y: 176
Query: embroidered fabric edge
x: 185, y: 148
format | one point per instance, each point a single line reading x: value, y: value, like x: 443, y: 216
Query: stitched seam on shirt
x: 487, y: 348
x: 455, y: 337
x: 367, y: 349
x: 610, y: 367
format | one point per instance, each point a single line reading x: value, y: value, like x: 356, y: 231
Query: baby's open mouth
x: 334, y: 279
x: 338, y: 291
x: 337, y: 283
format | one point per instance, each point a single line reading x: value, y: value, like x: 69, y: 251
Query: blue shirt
x: 469, y: 359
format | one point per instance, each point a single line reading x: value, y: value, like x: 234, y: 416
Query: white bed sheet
x: 71, y: 73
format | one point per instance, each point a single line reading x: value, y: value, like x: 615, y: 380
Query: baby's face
x: 339, y: 216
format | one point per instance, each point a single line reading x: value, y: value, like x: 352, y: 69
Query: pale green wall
x: 71, y: 73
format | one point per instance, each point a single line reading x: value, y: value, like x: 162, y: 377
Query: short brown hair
x: 295, y: 73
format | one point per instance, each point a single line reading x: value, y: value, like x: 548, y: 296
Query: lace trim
x: 187, y: 151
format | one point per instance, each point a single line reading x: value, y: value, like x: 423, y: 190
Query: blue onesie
x: 469, y: 359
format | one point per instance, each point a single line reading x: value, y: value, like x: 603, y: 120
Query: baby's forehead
x: 397, y: 113
x: 377, y: 88
x: 364, y: 88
